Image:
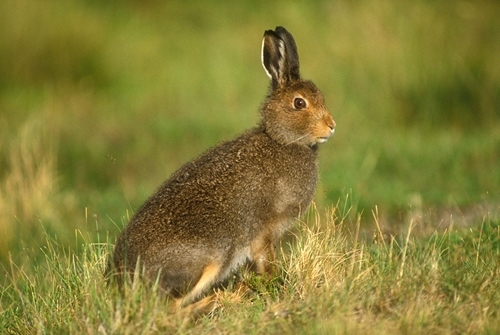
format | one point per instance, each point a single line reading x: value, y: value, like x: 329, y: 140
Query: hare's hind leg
x: 209, y: 277
x: 263, y: 254
x: 198, y: 308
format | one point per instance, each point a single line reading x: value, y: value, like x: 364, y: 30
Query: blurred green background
x: 100, y: 101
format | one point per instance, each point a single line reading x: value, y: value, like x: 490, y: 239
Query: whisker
x: 297, y: 139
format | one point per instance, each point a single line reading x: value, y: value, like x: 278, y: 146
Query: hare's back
x: 228, y: 193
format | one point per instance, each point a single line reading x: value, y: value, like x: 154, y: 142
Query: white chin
x: 321, y: 140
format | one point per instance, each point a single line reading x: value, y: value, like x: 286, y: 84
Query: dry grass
x: 29, y: 187
x: 329, y: 281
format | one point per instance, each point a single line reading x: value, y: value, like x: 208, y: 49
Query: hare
x: 230, y: 205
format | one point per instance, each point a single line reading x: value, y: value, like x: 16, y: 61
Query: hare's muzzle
x: 329, y: 128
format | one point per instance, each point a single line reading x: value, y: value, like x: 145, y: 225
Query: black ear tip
x: 270, y: 33
x: 280, y: 29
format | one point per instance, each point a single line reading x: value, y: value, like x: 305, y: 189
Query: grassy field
x: 329, y: 282
x: 100, y: 101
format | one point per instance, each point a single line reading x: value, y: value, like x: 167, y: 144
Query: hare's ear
x: 279, y: 56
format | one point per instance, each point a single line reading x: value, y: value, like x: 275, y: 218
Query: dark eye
x: 299, y: 103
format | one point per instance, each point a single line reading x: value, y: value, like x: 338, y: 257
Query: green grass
x: 100, y: 101
x: 329, y: 282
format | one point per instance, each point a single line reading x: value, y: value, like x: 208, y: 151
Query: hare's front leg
x: 263, y: 254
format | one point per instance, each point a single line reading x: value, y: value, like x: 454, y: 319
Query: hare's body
x: 228, y: 206
x: 209, y: 212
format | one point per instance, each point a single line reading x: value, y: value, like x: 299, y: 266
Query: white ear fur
x: 281, y: 61
x: 274, y: 71
x: 262, y: 59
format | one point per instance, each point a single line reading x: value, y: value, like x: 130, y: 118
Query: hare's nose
x: 330, y: 123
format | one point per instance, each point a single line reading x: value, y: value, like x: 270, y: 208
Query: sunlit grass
x: 29, y: 192
x: 329, y: 281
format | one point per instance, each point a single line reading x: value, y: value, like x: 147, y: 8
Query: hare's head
x: 294, y: 111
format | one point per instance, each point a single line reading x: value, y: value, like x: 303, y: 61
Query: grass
x: 330, y: 281
x: 100, y: 101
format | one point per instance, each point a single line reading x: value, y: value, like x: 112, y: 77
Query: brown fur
x: 231, y: 204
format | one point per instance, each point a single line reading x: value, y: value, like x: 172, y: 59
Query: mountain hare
x: 231, y: 204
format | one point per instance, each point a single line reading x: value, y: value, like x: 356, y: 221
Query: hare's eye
x: 299, y: 103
